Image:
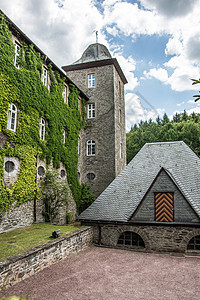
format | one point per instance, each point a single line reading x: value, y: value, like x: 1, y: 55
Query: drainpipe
x: 35, y: 198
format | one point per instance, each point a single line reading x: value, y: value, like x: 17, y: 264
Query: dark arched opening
x: 194, y: 243
x: 131, y: 239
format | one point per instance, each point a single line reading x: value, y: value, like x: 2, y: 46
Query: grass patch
x: 19, y: 240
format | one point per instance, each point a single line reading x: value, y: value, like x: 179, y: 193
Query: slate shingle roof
x: 122, y: 196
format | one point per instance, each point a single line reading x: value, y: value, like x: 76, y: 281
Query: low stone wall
x: 28, y: 263
x: 156, y: 238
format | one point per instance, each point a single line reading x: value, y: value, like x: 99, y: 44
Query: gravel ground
x: 104, y: 273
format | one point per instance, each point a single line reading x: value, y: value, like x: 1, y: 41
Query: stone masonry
x: 26, y: 264
x: 156, y: 238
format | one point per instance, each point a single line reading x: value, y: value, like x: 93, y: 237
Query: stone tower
x: 102, y: 145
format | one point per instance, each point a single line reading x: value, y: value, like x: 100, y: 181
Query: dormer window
x: 45, y: 76
x: 91, y: 80
x: 12, y: 117
x: 16, y: 57
x: 42, y: 129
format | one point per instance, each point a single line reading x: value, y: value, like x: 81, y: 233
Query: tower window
x: 16, y: 57
x: 91, y: 110
x: 90, y: 176
x: 12, y: 117
x: 91, y: 80
x: 120, y: 116
x: 90, y: 148
x: 42, y: 129
x: 120, y: 150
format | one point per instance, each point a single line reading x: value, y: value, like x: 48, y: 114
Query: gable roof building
x: 159, y: 188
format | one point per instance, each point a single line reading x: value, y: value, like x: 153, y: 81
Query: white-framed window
x: 90, y: 148
x: 16, y: 57
x: 91, y: 80
x: 91, y: 110
x: 42, y: 129
x: 12, y: 117
x: 63, y: 136
x: 65, y: 93
x: 45, y: 76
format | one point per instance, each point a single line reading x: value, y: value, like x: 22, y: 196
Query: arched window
x: 62, y: 173
x: 41, y: 170
x: 42, y: 129
x: 12, y: 117
x: 90, y: 148
x: 129, y: 238
x: 194, y: 243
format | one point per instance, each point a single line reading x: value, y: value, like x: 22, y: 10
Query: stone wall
x: 26, y: 264
x: 156, y: 238
x: 17, y: 216
x: 23, y: 215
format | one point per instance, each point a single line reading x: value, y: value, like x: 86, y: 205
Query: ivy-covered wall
x: 24, y: 88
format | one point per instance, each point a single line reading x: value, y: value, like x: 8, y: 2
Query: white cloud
x: 62, y: 33
x: 128, y: 67
x: 180, y: 104
x: 135, y: 112
x: 171, y: 8
x: 173, y: 47
x: 160, y: 74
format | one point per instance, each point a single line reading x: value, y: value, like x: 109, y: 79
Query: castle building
x: 46, y: 115
x: 102, y: 145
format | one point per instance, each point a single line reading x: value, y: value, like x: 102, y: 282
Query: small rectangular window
x: 79, y: 104
x: 65, y: 94
x: 42, y: 129
x: 45, y: 76
x: 16, y: 57
x: 91, y: 110
x: 91, y: 80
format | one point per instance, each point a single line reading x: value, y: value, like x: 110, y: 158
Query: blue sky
x: 156, y: 42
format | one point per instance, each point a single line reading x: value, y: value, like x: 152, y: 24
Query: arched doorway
x: 130, y: 239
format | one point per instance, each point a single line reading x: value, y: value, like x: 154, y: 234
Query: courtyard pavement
x: 104, y: 273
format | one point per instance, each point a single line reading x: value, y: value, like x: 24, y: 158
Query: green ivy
x: 24, y: 88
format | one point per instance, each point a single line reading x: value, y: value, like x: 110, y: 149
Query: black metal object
x: 56, y: 234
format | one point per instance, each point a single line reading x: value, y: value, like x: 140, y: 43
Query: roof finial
x: 96, y: 36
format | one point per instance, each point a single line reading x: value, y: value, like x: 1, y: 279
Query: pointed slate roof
x: 121, y: 198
